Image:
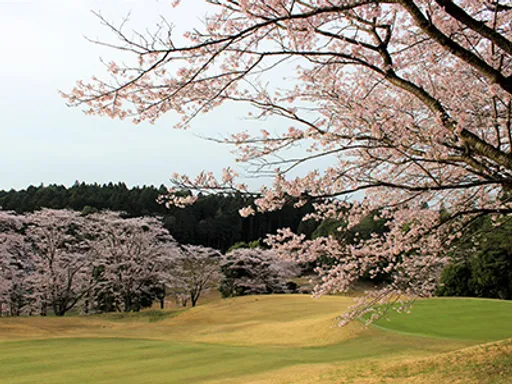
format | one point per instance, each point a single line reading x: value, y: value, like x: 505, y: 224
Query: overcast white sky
x: 43, y: 141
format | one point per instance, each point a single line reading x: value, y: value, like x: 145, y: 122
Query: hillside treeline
x: 480, y: 263
x: 213, y: 221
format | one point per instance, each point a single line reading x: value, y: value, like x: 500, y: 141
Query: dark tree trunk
x: 44, y: 309
x: 161, y: 297
x: 127, y: 304
x: 59, y: 309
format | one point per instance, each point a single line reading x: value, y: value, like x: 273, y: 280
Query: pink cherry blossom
x: 408, y: 101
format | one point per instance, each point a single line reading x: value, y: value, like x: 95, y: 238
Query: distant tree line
x: 64, y: 260
x: 480, y: 265
x: 58, y: 259
x: 213, y: 221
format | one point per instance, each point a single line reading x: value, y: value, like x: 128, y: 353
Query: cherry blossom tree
x: 196, y: 270
x: 409, y: 101
x: 60, y: 253
x: 14, y: 265
x: 254, y: 272
x: 132, y: 257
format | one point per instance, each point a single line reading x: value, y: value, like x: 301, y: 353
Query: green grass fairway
x: 462, y: 319
x: 265, y: 339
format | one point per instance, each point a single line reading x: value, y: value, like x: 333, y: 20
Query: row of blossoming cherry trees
x: 62, y: 260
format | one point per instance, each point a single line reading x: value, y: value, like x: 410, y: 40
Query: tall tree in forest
x: 409, y: 99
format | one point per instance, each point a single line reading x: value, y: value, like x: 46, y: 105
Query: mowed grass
x: 264, y: 339
x: 455, y: 318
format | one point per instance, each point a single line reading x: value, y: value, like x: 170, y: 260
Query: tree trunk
x: 44, y: 309
x: 162, y: 297
x: 59, y: 309
x: 127, y: 303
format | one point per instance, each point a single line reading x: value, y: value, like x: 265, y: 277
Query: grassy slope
x: 270, y: 339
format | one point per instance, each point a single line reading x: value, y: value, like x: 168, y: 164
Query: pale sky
x: 43, y: 141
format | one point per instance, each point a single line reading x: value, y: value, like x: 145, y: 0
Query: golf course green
x: 264, y: 339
